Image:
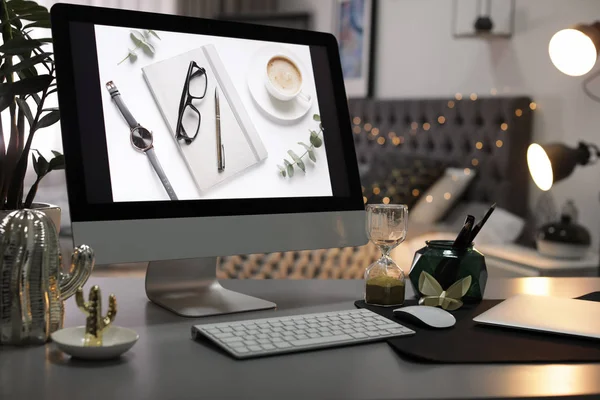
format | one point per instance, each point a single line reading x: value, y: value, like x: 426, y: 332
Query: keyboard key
x: 321, y: 340
x: 231, y: 339
x: 372, y: 334
x: 263, y: 341
x: 327, y: 333
x: 358, y: 335
x: 250, y: 342
x: 300, y: 337
x: 241, y: 350
x: 387, y: 326
x: 311, y: 335
x: 252, y: 332
x: 268, y: 347
x: 282, y: 345
x: 236, y: 344
x: 255, y: 348
x: 337, y: 332
x: 262, y: 336
x: 276, y: 324
x: 277, y: 339
x: 223, y: 335
x: 227, y: 330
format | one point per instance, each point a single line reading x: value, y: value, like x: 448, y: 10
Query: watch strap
x: 116, y: 96
x: 161, y: 174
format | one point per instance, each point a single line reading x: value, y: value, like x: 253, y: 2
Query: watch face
x: 141, y: 138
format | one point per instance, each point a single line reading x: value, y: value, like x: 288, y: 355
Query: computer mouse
x: 431, y: 317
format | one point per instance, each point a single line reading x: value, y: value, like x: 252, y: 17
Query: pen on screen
x: 220, y: 147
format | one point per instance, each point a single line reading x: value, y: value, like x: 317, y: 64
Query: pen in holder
x: 444, y: 268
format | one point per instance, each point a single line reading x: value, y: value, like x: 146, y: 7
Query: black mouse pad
x: 469, y: 342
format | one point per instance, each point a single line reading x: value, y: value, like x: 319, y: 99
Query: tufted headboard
x: 488, y: 134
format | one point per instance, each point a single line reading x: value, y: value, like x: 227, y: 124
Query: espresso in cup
x: 284, y: 75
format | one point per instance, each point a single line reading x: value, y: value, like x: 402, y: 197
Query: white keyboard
x: 269, y: 336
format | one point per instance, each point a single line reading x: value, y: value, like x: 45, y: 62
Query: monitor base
x: 190, y: 288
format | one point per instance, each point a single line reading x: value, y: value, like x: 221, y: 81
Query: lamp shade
x: 553, y: 162
x: 574, y: 51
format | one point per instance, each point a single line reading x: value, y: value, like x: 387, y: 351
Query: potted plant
x: 27, y: 81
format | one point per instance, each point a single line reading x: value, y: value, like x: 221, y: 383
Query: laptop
x: 546, y: 314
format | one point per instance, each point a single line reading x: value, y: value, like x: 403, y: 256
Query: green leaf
x: 151, y: 32
x: 297, y: 160
x: 57, y: 163
x: 26, y: 110
x: 309, y: 150
x: 40, y: 165
x: 26, y: 63
x: 315, y: 140
x: 21, y: 6
x: 290, y: 168
x: 137, y: 37
x: 26, y: 86
x: 148, y: 48
x: 38, y: 24
x: 49, y: 119
x: 5, y: 101
x: 316, y: 117
x: 281, y: 170
x: 36, y: 16
x: 19, y: 45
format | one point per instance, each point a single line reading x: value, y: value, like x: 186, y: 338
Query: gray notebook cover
x: 243, y: 146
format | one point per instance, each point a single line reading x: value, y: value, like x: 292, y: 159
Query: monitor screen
x: 223, y: 113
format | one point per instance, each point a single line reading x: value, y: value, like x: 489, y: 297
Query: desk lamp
x: 574, y: 52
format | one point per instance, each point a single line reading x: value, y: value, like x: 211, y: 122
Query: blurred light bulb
x: 572, y: 52
x: 540, y: 167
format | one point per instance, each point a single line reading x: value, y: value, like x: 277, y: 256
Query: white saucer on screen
x: 115, y: 341
x: 280, y: 111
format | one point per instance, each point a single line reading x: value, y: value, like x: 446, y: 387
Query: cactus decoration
x: 95, y: 322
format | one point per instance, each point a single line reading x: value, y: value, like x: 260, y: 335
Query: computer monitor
x: 186, y: 139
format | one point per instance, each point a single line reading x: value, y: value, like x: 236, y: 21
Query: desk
x: 167, y: 364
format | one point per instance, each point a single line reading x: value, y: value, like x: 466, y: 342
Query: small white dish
x: 115, y: 341
x: 280, y: 111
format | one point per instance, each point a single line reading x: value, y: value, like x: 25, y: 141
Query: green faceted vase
x: 447, y: 265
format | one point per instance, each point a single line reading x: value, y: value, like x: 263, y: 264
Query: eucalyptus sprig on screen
x: 141, y: 41
x: 316, y: 141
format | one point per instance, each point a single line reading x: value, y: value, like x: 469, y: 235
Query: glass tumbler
x: 384, y: 279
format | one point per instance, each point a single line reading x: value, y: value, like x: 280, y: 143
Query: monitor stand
x: 190, y: 288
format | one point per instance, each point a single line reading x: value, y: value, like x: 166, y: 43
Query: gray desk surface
x: 167, y: 364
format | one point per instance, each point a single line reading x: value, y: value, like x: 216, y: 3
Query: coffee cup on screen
x: 284, y: 79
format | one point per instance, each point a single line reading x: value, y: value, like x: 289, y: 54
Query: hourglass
x: 386, y: 228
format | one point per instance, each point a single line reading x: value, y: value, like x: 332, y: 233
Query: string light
x: 426, y: 126
x: 381, y: 140
x: 458, y: 96
x: 479, y: 145
x: 386, y: 200
x: 454, y: 178
x: 499, y: 143
x: 518, y: 112
x: 356, y: 130
x: 447, y: 195
x: 429, y: 198
x: 493, y: 91
x: 467, y: 171
x: 414, y: 126
x: 450, y: 104
x: 375, y: 131
x: 415, y: 192
x: 356, y: 120
x: 532, y: 105
x: 365, y: 199
x: 473, y: 96
x: 368, y: 127
x: 376, y: 190
x: 396, y: 141
x: 504, y: 126
x: 441, y: 119
x: 391, y: 135
x: 475, y: 162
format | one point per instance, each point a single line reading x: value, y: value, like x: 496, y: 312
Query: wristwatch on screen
x: 141, y: 138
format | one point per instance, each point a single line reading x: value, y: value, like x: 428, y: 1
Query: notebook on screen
x: 242, y: 143
x: 546, y: 314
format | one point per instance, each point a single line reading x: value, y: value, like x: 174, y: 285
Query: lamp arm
x: 587, y: 90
